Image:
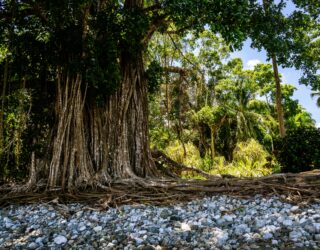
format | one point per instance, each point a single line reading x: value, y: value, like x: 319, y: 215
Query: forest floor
x: 301, y: 187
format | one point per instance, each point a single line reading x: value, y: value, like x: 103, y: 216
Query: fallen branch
x: 178, y: 167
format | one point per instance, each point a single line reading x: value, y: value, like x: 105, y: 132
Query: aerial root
x: 296, y: 188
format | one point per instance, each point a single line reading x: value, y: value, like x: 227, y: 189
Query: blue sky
x: 291, y: 76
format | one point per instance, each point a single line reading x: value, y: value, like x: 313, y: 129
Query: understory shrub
x: 249, y: 160
x: 250, y: 150
x: 299, y: 150
x: 176, y: 152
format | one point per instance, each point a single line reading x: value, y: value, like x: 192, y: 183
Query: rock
x: 298, y: 244
x: 303, y: 221
x: 79, y: 214
x: 316, y: 227
x: 154, y: 230
x: 248, y: 237
x: 260, y: 223
x: 185, y: 227
x: 294, y: 209
x: 73, y: 237
x: 199, y: 224
x: 110, y: 245
x: 241, y: 229
x: 267, y: 236
x: 221, y: 237
x: 227, y: 218
x: 141, y: 232
x: 97, y: 229
x: 39, y: 240
x: 310, y: 228
x: 175, y: 218
x: 295, y: 235
x: 33, y: 245
x: 280, y: 219
x: 148, y: 248
x: 60, y: 240
x: 287, y: 223
x: 139, y: 241
x: 8, y: 223
x: 164, y: 214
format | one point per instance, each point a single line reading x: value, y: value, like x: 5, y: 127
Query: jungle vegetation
x: 90, y: 87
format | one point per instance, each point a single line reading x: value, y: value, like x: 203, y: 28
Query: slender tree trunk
x: 282, y: 131
x: 179, y: 127
x: 213, y: 153
x: 33, y: 168
x: 3, y: 95
x: 280, y: 114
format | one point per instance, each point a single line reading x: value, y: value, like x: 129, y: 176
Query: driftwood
x: 296, y: 188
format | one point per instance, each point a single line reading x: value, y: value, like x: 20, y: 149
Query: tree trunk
x: 280, y: 114
x: 282, y: 131
x: 71, y: 162
x: 212, y: 132
x: 129, y: 153
x: 93, y: 145
x: 97, y: 144
x: 3, y: 95
x: 127, y: 110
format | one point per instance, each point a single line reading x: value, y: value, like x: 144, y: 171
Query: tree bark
x: 282, y: 131
x: 127, y: 114
x: 212, y: 133
x: 280, y: 114
x: 71, y: 162
x: 127, y: 110
x: 98, y: 144
x: 3, y: 95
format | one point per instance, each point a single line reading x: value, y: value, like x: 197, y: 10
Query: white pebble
x: 59, y: 240
x: 98, y: 229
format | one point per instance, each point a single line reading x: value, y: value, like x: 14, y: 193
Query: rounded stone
x: 60, y: 240
x: 33, y: 245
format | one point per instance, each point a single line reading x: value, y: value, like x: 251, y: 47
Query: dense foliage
x: 212, y: 110
x: 299, y: 150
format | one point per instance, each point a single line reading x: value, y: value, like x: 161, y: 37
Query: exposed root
x: 296, y: 188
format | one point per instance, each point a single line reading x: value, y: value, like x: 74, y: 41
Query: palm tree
x: 248, y: 117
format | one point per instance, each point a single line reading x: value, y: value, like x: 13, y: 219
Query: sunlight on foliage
x: 250, y: 160
x: 176, y: 152
x: 3, y: 53
x: 250, y: 150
